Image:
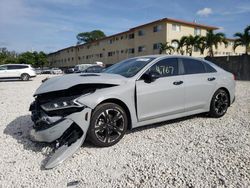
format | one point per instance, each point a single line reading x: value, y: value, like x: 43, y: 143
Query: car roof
x: 15, y: 64
x: 168, y: 56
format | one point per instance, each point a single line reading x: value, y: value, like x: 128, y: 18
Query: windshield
x: 129, y: 67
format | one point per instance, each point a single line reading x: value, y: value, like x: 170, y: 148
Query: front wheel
x: 25, y: 77
x: 108, y: 125
x: 219, y: 104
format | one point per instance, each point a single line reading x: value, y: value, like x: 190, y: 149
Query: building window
x: 79, y: 58
x: 116, y: 38
x: 176, y: 27
x: 72, y: 59
x: 141, y: 48
x: 156, y: 46
x: 141, y: 32
x: 101, y: 55
x: 131, y: 50
x: 121, y: 37
x: 122, y: 51
x: 157, y: 28
x: 72, y: 50
x: 68, y: 59
x: 197, y: 31
x: 131, y: 36
x: 110, y: 41
x: 110, y: 54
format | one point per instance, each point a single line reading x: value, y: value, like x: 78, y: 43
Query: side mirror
x: 150, y: 77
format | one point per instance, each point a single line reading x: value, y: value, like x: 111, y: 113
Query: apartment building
x: 141, y: 40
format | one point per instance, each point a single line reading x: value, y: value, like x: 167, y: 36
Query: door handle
x: 178, y: 82
x: 211, y: 79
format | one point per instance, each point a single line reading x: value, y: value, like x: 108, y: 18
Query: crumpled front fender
x: 72, y: 140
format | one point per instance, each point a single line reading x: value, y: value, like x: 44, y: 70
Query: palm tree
x: 243, y: 39
x: 212, y: 40
x: 180, y: 43
x: 191, y: 42
x: 201, y: 44
x: 165, y: 47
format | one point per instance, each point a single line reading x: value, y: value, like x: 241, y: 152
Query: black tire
x: 108, y: 125
x: 219, y: 103
x: 25, y: 77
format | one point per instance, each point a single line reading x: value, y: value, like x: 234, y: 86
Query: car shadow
x: 168, y: 122
x: 14, y: 80
x: 19, y: 129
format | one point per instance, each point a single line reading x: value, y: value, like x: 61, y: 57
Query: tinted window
x: 165, y: 67
x: 192, y: 66
x: 209, y: 68
x: 13, y: 67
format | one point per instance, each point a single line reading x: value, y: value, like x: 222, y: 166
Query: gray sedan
x: 133, y: 93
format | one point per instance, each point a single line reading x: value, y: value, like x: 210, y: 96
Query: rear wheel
x: 25, y: 77
x: 108, y: 125
x: 219, y: 103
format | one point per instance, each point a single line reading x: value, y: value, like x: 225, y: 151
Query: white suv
x: 21, y: 71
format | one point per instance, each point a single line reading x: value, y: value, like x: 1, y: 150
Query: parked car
x: 20, y: 71
x: 69, y: 71
x: 133, y: 93
x: 56, y: 71
x: 38, y: 71
x: 81, y: 67
x: 93, y: 69
x: 46, y: 70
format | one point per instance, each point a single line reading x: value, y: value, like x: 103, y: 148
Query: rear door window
x: 193, y: 66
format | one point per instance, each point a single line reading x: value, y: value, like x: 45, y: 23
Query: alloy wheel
x: 221, y: 103
x: 109, y: 126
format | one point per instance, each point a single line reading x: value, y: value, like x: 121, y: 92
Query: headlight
x: 62, y: 103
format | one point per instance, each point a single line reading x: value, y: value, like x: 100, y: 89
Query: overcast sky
x: 49, y: 25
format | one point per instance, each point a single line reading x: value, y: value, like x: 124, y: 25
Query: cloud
x: 204, y: 12
x: 221, y: 29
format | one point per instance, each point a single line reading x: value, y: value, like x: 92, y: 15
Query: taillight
x: 234, y: 76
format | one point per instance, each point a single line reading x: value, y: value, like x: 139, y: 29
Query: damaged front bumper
x: 69, y: 131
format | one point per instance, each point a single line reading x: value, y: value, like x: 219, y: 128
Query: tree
x: 27, y: 58
x: 87, y: 37
x: 243, y: 39
x: 41, y: 60
x: 35, y: 59
x: 7, y: 56
x: 212, y: 40
x: 166, y: 48
x: 191, y: 42
x: 201, y: 44
x: 180, y: 43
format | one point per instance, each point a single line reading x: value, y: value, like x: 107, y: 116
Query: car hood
x: 64, y: 82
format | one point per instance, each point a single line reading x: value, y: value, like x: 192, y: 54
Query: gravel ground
x: 191, y: 152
